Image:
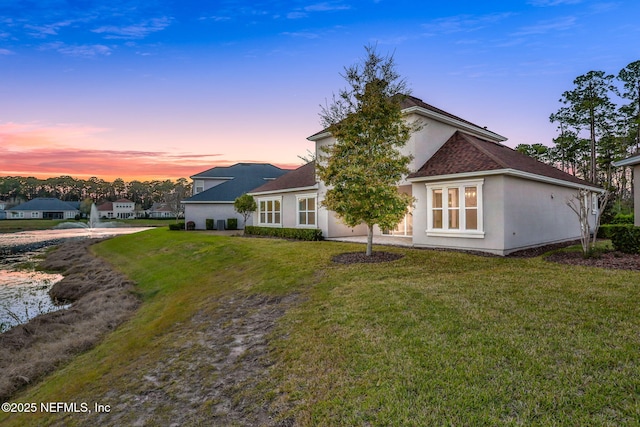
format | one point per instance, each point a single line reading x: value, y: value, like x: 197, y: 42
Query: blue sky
x: 168, y: 88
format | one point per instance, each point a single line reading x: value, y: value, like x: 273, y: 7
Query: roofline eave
x: 510, y: 172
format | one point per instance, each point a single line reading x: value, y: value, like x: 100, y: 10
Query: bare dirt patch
x: 208, y: 374
x: 102, y: 299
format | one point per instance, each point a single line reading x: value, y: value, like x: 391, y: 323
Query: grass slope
x: 435, y: 338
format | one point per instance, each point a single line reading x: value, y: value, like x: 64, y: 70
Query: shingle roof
x: 44, y: 204
x: 106, y: 206
x: 246, y: 177
x: 261, y: 169
x: 413, y: 102
x: 464, y: 153
x: 304, y: 176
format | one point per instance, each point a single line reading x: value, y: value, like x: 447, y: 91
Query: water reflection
x: 24, y: 295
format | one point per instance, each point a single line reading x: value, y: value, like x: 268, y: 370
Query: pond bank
x: 102, y: 299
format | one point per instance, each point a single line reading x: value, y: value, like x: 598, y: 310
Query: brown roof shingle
x: 464, y: 153
x: 304, y: 176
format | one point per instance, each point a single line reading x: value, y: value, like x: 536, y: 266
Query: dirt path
x: 203, y: 376
x: 206, y: 367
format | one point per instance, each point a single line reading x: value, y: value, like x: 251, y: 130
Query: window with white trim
x: 306, y: 211
x: 454, y: 209
x: 35, y: 214
x: 269, y: 212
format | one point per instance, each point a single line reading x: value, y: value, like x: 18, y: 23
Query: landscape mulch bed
x: 613, y: 260
x: 361, y: 257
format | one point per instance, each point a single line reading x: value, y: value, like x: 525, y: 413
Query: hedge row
x: 285, y: 233
x: 625, y: 238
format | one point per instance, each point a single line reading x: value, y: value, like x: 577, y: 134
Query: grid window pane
x: 470, y: 197
x: 437, y: 198
x: 437, y: 219
x: 471, y: 219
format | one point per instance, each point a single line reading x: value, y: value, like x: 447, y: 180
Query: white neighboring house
x: 471, y: 191
x: 634, y: 161
x: 44, y: 208
x: 215, y: 190
x: 120, y: 209
x: 160, y: 210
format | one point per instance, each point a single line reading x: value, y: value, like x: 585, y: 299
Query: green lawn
x: 435, y: 338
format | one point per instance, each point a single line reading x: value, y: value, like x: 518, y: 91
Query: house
x: 633, y: 161
x: 120, y: 209
x: 160, y: 210
x: 215, y: 190
x: 471, y: 192
x: 3, y: 213
x: 44, y: 208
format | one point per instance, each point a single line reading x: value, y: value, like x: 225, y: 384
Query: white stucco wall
x: 636, y: 194
x: 492, y: 219
x: 200, y: 212
x: 537, y: 213
x: 517, y: 214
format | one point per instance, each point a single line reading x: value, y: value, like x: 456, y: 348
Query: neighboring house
x: 215, y: 190
x: 3, y: 213
x: 120, y: 209
x: 160, y: 210
x: 471, y: 192
x: 634, y: 161
x: 43, y: 208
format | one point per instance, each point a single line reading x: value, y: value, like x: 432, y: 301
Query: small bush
x: 625, y: 238
x: 191, y: 225
x: 285, y: 233
x: 232, y: 224
x: 177, y: 226
x: 209, y: 223
x: 622, y: 219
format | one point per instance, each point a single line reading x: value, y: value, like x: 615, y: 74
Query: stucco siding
x: 492, y: 219
x: 537, y: 213
x: 199, y: 213
x: 636, y: 194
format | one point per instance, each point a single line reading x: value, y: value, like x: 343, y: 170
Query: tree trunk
x: 369, y: 240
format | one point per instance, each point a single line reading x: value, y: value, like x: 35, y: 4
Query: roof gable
x: 411, y: 104
x: 464, y: 153
x: 243, y: 177
x: 265, y: 170
x: 44, y: 204
x: 304, y: 176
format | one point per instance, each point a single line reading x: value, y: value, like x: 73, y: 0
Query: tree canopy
x: 364, y: 166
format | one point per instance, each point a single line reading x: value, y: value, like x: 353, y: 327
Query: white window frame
x: 35, y: 214
x: 300, y: 197
x: 462, y: 231
x: 266, y: 200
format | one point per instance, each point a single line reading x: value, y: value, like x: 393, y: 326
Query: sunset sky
x: 165, y: 89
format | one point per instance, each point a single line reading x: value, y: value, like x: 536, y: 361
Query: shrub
x: 177, y: 226
x: 232, y: 224
x: 622, y: 219
x: 191, y: 225
x: 209, y: 223
x: 285, y: 233
x: 625, y: 238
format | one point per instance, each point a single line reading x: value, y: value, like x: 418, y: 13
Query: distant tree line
x: 17, y: 189
x: 594, y: 131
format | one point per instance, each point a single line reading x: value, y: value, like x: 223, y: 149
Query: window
x: 454, y: 209
x: 198, y: 187
x: 306, y: 211
x: 35, y: 215
x: 269, y: 211
x: 17, y: 214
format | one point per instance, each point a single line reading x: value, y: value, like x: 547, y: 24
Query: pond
x: 24, y: 292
